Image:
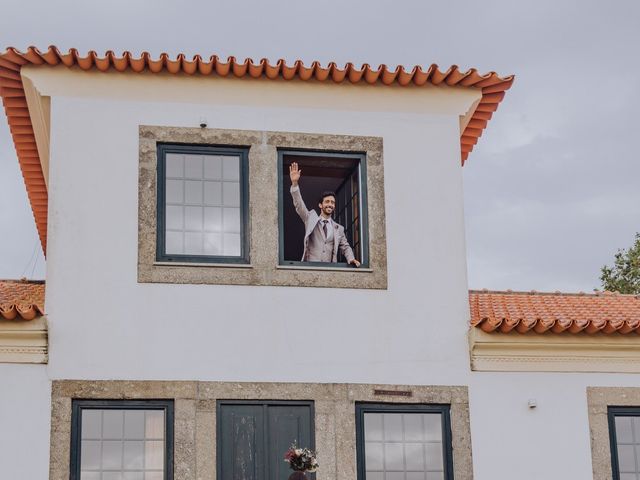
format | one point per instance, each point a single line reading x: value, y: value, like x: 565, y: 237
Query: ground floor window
x: 253, y: 437
x: 122, y: 440
x: 403, y: 442
x: 624, y: 432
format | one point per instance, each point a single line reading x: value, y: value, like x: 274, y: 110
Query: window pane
x: 212, y: 167
x: 213, y: 244
x: 174, y: 191
x: 153, y: 476
x: 393, y: 427
x: 231, y: 244
x: 231, y: 168
x: 193, y: 243
x: 175, y: 165
x: 623, y: 429
x: 415, y: 476
x: 154, y: 424
x: 231, y: 194
x: 213, y: 219
x: 433, y: 427
x: 372, y: 426
x: 393, y: 456
x: 134, y: 424
x: 134, y: 455
x: 413, y: 427
x: 111, y: 454
x: 174, y: 242
x: 193, y: 218
x: 415, y: 456
x: 193, y: 166
x: 112, y: 476
x: 375, y: 475
x: 193, y: 192
x: 435, y: 475
x: 133, y: 476
x: 112, y: 423
x: 91, y: 424
x: 213, y: 193
x: 90, y: 476
x: 374, y: 456
x: 153, y: 453
x: 231, y: 219
x: 90, y: 451
x: 175, y: 217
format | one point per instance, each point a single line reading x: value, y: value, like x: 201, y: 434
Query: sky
x: 552, y: 189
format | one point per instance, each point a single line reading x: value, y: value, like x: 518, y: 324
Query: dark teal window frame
x: 243, y: 153
x: 364, y: 214
x: 612, y: 413
x: 443, y: 410
x: 77, y: 406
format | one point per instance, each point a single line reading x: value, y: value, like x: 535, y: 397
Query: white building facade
x: 348, y: 351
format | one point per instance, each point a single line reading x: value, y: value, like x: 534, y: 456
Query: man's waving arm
x: 298, y: 203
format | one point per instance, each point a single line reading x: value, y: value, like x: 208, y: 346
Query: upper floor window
x: 624, y: 431
x: 202, y: 204
x: 323, y: 209
x: 403, y: 442
x: 122, y: 440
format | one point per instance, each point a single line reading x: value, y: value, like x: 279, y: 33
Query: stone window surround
x: 598, y: 401
x: 195, y: 418
x: 264, y: 268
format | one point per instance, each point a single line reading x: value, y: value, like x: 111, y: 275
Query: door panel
x: 254, y: 437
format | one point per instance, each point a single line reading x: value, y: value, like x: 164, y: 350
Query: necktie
x: 324, y: 227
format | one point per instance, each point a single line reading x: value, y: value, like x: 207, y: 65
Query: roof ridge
x: 605, y: 293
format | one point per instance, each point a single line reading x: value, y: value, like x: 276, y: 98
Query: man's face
x: 328, y: 205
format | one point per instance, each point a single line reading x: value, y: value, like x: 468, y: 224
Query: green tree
x: 624, y: 275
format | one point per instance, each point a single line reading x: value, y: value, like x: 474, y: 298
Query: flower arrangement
x: 301, y: 459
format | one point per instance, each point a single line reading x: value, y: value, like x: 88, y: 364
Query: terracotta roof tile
x: 13, y: 97
x: 21, y: 299
x: 554, y: 312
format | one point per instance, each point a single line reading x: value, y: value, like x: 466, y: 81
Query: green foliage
x: 624, y: 276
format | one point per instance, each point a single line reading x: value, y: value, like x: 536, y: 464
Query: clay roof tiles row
x: 21, y: 300
x: 554, y: 312
x: 13, y: 96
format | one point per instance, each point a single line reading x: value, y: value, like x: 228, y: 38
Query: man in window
x: 322, y: 236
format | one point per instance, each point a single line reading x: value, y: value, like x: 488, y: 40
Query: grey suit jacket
x: 311, y: 219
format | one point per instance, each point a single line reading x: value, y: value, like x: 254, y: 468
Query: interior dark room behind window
x: 340, y: 173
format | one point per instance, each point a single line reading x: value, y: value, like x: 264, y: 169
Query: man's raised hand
x: 294, y: 174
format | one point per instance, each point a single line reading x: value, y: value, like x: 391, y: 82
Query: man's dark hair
x: 328, y: 193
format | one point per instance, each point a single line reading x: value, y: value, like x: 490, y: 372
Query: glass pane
x: 212, y: 167
x: 175, y: 165
x: 415, y: 476
x: 434, y: 456
x: 623, y: 429
x: 231, y: 168
x: 112, y: 422
x: 393, y: 456
x: 193, y: 166
x: 394, y: 476
x: 636, y: 428
x: 193, y: 218
x: 413, y: 428
x: 91, y: 423
x: 193, y: 243
x: 153, y: 476
x: 231, y: 244
x: 133, y: 476
x: 374, y: 456
x: 213, y: 244
x: 154, y: 454
x: 231, y: 194
x: 213, y: 219
x: 174, y: 242
x: 433, y: 427
x: 435, y: 475
x: 375, y: 475
x: 175, y: 217
x: 90, y: 452
x: 174, y: 191
x: 231, y: 219
x: 414, y: 455
x: 626, y: 458
x: 154, y: 424
x: 134, y: 455
x: 90, y: 476
x: 112, y: 476
x: 373, y: 426
x: 393, y: 427
x: 134, y: 424
x: 111, y: 455
x: 193, y: 192
x: 213, y: 193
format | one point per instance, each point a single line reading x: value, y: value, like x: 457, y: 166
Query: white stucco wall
x: 104, y: 325
x: 25, y: 406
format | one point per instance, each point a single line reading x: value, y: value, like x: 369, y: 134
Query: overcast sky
x: 551, y: 190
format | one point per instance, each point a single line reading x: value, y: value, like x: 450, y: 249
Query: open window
x: 303, y: 240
